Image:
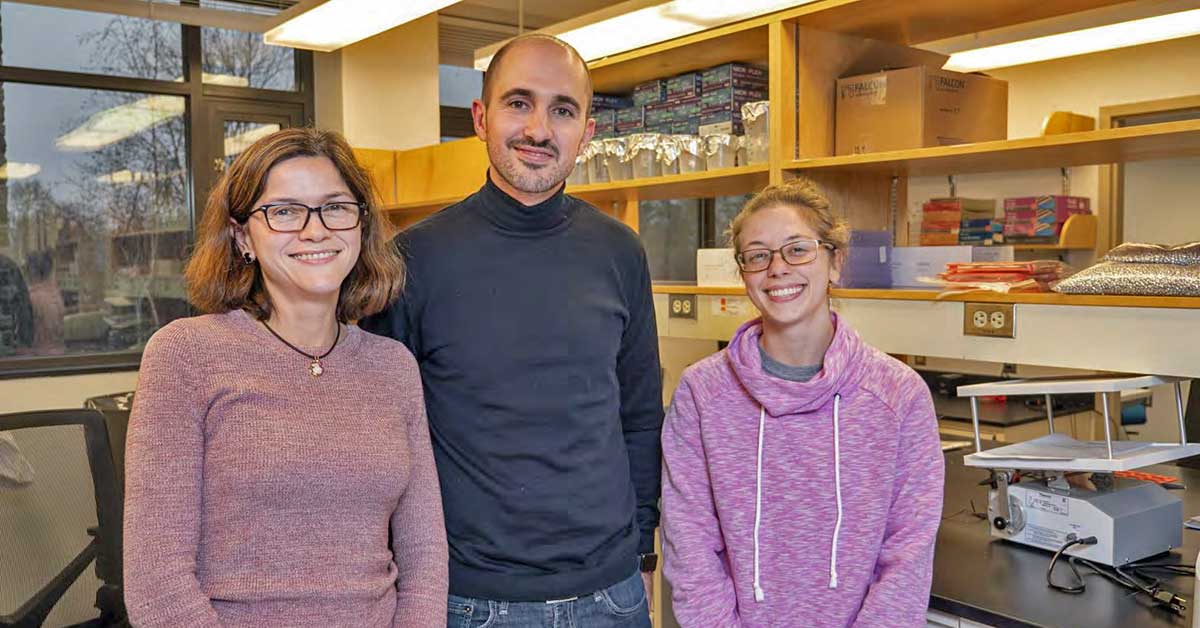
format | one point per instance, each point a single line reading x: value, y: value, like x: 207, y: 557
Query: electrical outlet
x: 682, y: 306
x: 989, y: 319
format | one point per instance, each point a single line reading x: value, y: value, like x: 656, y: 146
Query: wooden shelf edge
x: 903, y: 294
x: 1032, y: 298
x: 422, y: 206
x: 594, y: 189
x: 612, y: 189
x: 1083, y: 148
x: 686, y: 40
x: 687, y: 289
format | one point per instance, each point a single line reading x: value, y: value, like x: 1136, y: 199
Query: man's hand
x: 648, y: 581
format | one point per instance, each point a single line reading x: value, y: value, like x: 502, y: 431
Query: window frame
x: 197, y: 96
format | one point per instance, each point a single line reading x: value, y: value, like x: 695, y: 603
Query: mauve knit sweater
x: 258, y: 495
x: 872, y: 570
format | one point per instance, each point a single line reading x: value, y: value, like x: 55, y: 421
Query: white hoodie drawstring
x: 837, y: 488
x: 759, y: 595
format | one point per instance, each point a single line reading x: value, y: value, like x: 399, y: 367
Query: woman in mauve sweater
x: 278, y: 465
x: 802, y: 468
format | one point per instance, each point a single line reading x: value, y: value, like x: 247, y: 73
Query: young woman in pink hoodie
x: 802, y: 478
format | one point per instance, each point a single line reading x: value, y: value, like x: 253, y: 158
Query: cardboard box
x: 606, y: 120
x: 959, y: 220
x: 1063, y: 206
x: 690, y: 126
x: 683, y: 86
x: 730, y: 98
x: 610, y: 101
x: 649, y: 92
x: 659, y: 113
x: 672, y: 111
x: 918, y: 107
x: 911, y: 262
x: 717, y: 268
x: 733, y: 75
x: 722, y: 122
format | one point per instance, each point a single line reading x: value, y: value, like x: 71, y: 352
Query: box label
x: 872, y: 91
x: 730, y: 306
x: 1048, y: 503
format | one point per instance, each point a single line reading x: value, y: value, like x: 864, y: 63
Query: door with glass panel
x: 232, y: 127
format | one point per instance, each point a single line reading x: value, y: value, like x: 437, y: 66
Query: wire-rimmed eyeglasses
x: 796, y: 253
x: 293, y: 217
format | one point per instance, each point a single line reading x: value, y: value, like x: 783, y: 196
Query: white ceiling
x: 463, y: 27
x: 472, y: 24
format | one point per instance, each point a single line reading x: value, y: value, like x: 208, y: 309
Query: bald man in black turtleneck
x: 531, y: 316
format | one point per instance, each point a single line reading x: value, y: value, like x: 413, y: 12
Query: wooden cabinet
x: 806, y: 49
x: 381, y: 165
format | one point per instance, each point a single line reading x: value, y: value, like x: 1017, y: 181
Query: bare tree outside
x: 241, y: 55
x: 114, y: 218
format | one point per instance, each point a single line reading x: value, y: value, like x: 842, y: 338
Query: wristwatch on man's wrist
x: 648, y: 562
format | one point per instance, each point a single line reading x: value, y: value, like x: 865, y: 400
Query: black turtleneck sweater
x: 534, y: 330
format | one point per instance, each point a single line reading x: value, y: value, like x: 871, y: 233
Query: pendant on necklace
x: 315, y: 369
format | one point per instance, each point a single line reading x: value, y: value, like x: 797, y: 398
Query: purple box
x: 868, y: 262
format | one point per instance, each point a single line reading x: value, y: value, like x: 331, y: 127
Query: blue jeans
x: 623, y: 605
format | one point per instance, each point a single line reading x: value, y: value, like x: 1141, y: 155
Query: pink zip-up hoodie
x: 801, y: 503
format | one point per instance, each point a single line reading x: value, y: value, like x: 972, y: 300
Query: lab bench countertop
x: 1003, y: 584
x: 1003, y: 414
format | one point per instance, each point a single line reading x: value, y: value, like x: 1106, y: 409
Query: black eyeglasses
x: 293, y: 217
x: 796, y: 253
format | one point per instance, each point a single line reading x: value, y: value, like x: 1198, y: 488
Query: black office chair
x: 116, y: 408
x: 41, y: 497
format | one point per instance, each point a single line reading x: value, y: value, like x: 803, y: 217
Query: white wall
x: 389, y: 88
x: 48, y: 393
x: 1159, y: 195
x: 1083, y: 84
x: 327, y: 91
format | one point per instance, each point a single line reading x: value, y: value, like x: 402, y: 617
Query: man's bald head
x: 532, y: 39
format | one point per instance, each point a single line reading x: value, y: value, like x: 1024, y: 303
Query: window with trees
x: 101, y: 129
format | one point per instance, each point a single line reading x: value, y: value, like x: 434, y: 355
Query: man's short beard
x: 525, y: 178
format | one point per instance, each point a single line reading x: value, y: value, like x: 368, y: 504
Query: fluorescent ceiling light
x: 117, y: 123
x: 129, y: 176
x: 336, y: 23
x: 648, y: 25
x: 1121, y: 35
x: 235, y: 144
x: 225, y: 79
x: 17, y: 170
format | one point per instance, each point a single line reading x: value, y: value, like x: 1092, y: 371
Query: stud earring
x: 248, y: 258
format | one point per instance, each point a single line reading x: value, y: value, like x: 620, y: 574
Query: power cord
x: 1129, y: 577
x: 1074, y: 589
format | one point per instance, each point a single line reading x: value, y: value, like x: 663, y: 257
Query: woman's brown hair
x: 217, y: 278
x: 803, y: 196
